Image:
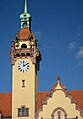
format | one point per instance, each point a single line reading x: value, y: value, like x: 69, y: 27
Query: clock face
x: 23, y: 66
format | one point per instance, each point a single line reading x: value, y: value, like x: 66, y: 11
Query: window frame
x: 59, y: 108
x: 23, y: 83
x: 24, y: 45
x: 23, y: 114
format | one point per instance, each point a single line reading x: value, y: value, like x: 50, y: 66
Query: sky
x: 58, y: 26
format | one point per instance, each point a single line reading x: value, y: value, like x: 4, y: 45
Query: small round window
x: 23, y: 46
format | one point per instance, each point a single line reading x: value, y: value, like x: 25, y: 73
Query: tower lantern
x: 25, y: 17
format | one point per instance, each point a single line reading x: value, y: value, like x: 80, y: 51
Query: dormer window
x: 23, y: 46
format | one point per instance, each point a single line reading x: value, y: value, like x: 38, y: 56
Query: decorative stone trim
x: 32, y: 52
x: 59, y: 108
x: 73, y: 118
x: 81, y: 113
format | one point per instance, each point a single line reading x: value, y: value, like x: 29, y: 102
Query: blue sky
x: 58, y: 26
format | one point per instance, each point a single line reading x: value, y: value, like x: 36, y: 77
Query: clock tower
x: 25, y: 58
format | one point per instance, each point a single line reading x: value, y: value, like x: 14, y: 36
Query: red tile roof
x: 24, y: 33
x: 6, y: 105
x: 6, y: 101
x: 40, y: 98
x: 78, y: 96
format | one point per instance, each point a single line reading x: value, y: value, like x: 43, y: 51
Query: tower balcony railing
x: 23, y: 52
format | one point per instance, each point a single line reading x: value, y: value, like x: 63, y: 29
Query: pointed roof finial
x: 25, y: 7
x: 25, y: 17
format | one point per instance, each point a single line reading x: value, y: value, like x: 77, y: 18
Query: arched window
x: 23, y: 46
x: 59, y: 113
x: 23, y: 112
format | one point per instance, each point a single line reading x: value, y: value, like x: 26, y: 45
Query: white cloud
x: 80, y: 53
x: 72, y: 45
x: 80, y: 27
x: 79, y: 35
x: 80, y: 63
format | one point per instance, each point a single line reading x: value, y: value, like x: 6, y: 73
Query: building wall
x: 23, y: 96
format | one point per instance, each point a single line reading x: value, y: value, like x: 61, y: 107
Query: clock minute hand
x: 25, y: 64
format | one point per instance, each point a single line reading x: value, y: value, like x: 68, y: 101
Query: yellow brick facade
x: 23, y: 96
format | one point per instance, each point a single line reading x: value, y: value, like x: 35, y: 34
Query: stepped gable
x: 76, y: 95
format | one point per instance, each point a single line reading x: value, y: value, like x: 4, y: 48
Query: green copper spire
x: 25, y: 8
x: 25, y: 17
